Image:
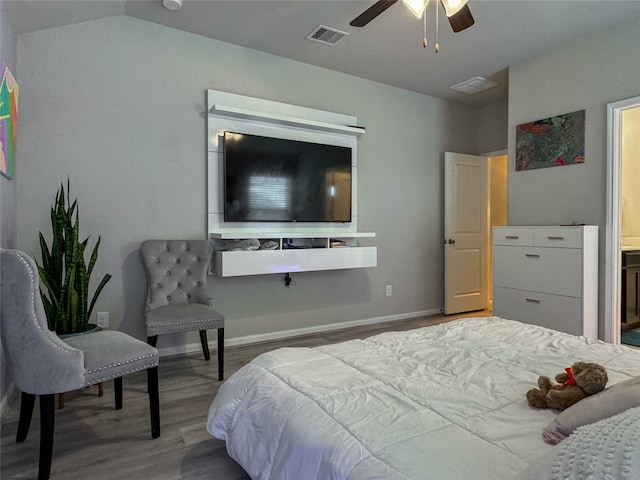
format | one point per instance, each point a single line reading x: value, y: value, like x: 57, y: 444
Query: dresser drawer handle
x: 531, y: 255
x: 511, y: 237
x: 531, y: 300
x: 555, y: 238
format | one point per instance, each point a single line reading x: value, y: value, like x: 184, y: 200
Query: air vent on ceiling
x: 326, y: 35
x: 474, y: 85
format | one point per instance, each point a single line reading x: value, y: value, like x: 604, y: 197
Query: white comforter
x: 441, y: 402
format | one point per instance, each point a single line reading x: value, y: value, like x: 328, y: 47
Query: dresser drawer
x: 512, y: 236
x: 548, y: 270
x: 551, y: 311
x: 558, y: 237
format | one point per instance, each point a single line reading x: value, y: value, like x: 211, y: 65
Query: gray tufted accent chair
x: 178, y: 298
x: 40, y: 363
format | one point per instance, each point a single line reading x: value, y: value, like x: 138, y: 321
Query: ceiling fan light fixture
x: 416, y: 6
x: 453, y: 6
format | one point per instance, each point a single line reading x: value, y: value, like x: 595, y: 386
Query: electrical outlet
x: 102, y: 319
x: 389, y: 290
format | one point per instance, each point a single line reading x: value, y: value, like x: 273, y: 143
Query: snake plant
x: 64, y: 272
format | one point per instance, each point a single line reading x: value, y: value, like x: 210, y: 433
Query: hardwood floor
x: 94, y: 441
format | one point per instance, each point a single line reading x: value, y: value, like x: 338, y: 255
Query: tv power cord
x: 288, y: 282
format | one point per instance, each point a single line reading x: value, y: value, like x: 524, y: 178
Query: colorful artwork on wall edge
x: 551, y: 142
x: 8, y: 123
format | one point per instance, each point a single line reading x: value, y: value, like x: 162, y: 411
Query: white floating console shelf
x: 284, y: 120
x: 295, y: 252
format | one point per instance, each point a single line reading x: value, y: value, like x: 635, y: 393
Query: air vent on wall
x: 326, y: 35
x: 474, y: 85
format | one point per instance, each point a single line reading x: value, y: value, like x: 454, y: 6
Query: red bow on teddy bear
x: 571, y: 380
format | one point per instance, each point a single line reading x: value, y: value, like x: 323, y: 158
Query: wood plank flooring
x: 94, y: 441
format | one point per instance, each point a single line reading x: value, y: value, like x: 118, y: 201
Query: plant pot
x: 91, y: 328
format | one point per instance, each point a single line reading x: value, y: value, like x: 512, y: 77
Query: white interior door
x: 466, y: 239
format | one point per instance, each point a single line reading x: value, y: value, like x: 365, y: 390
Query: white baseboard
x: 266, y: 337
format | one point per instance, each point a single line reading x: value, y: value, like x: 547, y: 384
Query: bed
x: 439, y: 402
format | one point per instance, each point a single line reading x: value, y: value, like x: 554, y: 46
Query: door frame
x: 613, y: 268
x: 490, y: 156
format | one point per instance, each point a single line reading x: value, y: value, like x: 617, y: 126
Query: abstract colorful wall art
x: 551, y: 142
x: 8, y: 123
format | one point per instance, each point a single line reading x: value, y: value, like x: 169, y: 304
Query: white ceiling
x: 388, y: 50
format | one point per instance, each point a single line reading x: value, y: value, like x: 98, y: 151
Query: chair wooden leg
x: 117, y: 388
x: 26, y: 412
x: 153, y: 341
x: 205, y: 344
x: 220, y: 354
x: 47, y: 409
x: 154, y: 401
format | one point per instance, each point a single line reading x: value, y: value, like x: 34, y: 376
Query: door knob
x: 452, y: 241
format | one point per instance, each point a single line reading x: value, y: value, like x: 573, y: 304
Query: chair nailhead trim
x: 33, y: 307
x: 121, y: 363
x: 194, y: 321
x: 192, y: 329
x: 152, y: 328
x: 111, y: 377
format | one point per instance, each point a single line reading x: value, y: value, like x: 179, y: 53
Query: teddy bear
x: 575, y: 383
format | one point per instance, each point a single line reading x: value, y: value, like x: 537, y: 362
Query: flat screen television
x: 278, y: 180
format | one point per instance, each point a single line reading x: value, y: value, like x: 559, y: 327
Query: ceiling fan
x: 457, y: 11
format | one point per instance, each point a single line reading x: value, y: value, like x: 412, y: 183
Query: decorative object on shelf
x: 245, y: 244
x: 64, y: 273
x: 268, y: 244
x: 551, y: 142
x: 8, y: 123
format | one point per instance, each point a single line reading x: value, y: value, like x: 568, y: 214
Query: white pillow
x: 606, y: 449
x: 609, y: 402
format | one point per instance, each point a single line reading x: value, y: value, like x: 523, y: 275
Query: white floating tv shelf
x: 285, y: 120
x: 295, y: 252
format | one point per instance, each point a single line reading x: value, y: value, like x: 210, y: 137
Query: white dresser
x: 547, y: 276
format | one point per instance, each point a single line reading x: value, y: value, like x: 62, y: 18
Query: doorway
x: 498, y: 205
x: 475, y: 201
x: 616, y: 119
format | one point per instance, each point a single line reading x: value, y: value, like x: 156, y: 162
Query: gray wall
x: 118, y: 104
x: 492, y: 131
x: 7, y: 187
x: 588, y: 75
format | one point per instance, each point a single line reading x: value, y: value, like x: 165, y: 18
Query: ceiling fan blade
x: 371, y: 13
x: 461, y: 20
